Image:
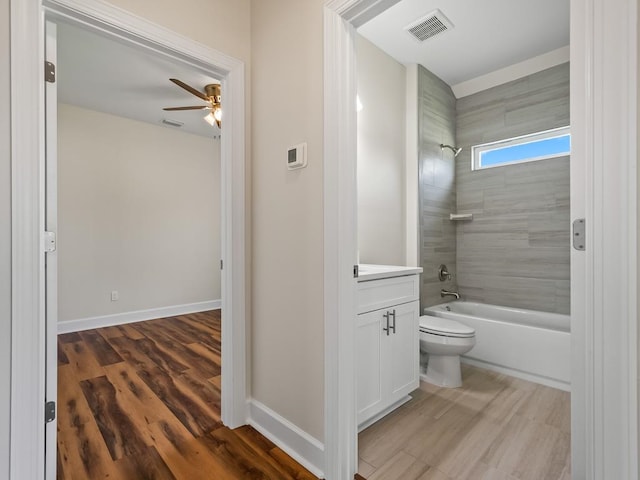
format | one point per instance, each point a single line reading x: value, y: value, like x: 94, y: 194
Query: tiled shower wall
x: 515, y: 251
x: 436, y: 170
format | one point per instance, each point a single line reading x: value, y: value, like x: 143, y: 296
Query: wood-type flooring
x: 142, y: 402
x: 494, y: 427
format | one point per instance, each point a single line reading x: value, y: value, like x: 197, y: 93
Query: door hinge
x: 49, y: 412
x: 579, y: 234
x: 49, y: 72
x: 49, y: 242
x: 356, y: 271
x: 221, y: 265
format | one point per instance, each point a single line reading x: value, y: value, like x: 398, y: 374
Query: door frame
x: 51, y: 258
x: 604, y: 178
x: 28, y: 201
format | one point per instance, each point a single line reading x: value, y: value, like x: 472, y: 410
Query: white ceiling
x: 488, y: 35
x: 102, y: 74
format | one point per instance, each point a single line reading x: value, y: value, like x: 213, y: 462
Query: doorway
x: 591, y: 455
x: 200, y: 263
x: 137, y: 191
x: 138, y: 187
x: 463, y: 103
x: 29, y: 323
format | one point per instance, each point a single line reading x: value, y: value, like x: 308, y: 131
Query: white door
x: 51, y: 257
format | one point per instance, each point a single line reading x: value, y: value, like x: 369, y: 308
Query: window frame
x: 477, y: 150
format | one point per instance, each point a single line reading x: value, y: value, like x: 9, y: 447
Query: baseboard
x: 299, y: 445
x: 549, y: 382
x: 80, y: 324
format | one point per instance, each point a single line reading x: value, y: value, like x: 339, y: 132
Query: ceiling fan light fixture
x: 211, y: 96
x: 210, y: 118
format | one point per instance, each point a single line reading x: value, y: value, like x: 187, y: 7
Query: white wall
x: 139, y: 212
x: 5, y: 240
x: 382, y: 222
x: 226, y: 26
x: 287, y: 310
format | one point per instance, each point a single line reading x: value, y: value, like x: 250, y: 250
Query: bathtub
x: 532, y: 345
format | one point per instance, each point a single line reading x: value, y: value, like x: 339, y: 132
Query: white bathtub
x: 523, y: 343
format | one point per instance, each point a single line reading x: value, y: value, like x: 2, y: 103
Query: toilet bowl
x: 444, y: 341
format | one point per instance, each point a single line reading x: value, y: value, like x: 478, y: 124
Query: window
x: 527, y: 148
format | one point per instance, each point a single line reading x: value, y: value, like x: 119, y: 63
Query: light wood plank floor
x: 493, y: 428
x: 142, y: 401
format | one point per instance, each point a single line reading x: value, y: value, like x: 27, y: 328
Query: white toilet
x: 444, y: 340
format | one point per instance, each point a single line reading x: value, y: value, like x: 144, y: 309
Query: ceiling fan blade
x: 203, y: 107
x: 190, y: 89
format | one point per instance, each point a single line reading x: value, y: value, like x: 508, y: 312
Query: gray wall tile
x: 437, y: 194
x: 5, y: 238
x: 516, y: 250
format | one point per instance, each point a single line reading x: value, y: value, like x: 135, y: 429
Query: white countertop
x: 375, y: 272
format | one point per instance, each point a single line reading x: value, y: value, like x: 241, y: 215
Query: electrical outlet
x: 114, y: 296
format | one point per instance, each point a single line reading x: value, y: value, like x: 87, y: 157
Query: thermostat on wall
x: 297, y: 156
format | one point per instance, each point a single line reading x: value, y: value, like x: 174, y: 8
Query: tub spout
x: 447, y: 293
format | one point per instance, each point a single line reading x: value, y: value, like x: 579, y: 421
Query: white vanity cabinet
x: 387, y: 345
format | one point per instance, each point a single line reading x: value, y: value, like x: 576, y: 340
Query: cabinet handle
x: 393, y: 327
x: 386, y: 329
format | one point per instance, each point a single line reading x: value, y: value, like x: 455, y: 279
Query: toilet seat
x: 445, y: 327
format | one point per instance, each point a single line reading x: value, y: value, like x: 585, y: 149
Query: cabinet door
x: 404, y: 355
x: 370, y: 352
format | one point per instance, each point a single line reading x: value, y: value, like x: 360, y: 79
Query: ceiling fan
x: 211, y: 95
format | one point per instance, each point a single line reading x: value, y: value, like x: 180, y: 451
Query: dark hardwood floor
x: 142, y: 401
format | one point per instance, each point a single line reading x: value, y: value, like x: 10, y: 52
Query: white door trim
x: 27, y: 258
x: 340, y: 231
x: 340, y: 245
x: 604, y: 278
x: 51, y: 258
x: 604, y: 84
x: 27, y: 163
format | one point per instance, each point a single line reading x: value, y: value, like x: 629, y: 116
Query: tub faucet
x: 447, y: 293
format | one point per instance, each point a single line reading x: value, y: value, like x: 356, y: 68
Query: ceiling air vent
x: 172, y: 123
x: 429, y: 26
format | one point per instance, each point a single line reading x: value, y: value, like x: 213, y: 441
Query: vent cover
x: 429, y: 26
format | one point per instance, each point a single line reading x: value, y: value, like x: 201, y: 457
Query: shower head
x: 455, y: 150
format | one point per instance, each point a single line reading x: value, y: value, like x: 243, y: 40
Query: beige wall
x: 287, y: 311
x: 381, y: 156
x: 411, y: 182
x: 139, y: 212
x: 219, y: 24
x: 5, y: 240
